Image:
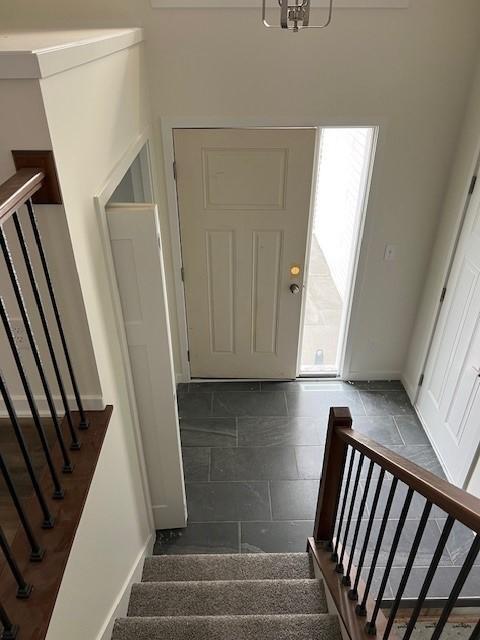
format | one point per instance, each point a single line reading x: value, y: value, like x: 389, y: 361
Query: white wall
x: 116, y: 525
x: 407, y: 70
x: 23, y: 126
x: 463, y: 168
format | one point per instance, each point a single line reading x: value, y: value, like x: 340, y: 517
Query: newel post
x: 332, y: 474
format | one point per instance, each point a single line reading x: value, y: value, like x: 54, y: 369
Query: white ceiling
x: 248, y: 4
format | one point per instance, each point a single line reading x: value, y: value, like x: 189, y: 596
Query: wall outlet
x: 390, y: 252
x: 19, y: 333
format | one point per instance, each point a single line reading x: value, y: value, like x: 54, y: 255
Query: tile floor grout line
x: 270, y: 501
x: 398, y: 429
x: 316, y: 418
x: 362, y: 403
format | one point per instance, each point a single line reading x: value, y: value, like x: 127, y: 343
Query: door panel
x: 138, y: 261
x: 266, y: 271
x: 244, y: 202
x: 449, y: 401
x: 221, y: 289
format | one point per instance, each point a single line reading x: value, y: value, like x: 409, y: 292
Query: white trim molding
x: 120, y: 606
x: 43, y: 54
x: 256, y: 4
x: 22, y: 409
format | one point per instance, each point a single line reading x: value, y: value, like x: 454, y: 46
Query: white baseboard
x: 373, y: 375
x: 90, y: 403
x: 120, y: 606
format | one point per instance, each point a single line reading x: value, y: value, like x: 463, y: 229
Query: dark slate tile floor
x: 253, y: 453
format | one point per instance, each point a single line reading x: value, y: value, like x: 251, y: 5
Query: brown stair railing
x: 357, y: 469
x: 32, y: 564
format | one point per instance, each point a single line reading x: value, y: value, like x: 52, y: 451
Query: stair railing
x: 48, y: 520
x: 357, y: 470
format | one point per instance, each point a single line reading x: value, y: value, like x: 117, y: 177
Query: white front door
x: 244, y: 202
x: 137, y: 255
x: 449, y: 402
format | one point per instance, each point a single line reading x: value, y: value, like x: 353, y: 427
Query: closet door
x: 449, y: 402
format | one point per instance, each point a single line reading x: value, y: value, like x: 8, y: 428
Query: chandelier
x: 295, y: 16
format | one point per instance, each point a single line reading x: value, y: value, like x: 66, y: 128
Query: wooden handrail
x: 17, y: 190
x: 355, y: 605
x: 456, y: 502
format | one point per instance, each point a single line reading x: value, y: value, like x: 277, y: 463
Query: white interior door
x: 244, y: 203
x: 137, y: 256
x: 449, y: 402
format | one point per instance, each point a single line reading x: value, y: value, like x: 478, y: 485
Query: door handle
x: 294, y: 289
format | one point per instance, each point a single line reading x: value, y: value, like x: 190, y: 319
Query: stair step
x: 248, y: 566
x: 273, y: 627
x: 227, y: 597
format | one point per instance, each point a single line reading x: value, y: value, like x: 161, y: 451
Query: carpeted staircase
x: 235, y: 597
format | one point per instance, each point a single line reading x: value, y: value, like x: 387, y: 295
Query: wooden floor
x: 13, y: 457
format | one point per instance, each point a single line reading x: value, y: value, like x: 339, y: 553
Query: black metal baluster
x: 37, y: 552
x: 339, y: 567
x: 408, y: 568
x: 24, y: 589
x: 46, y: 330
x: 38, y: 239
x: 475, y: 635
x: 429, y: 577
x: 58, y: 491
x: 361, y: 609
x: 353, y: 593
x: 10, y: 630
x: 457, y: 587
x: 334, y: 555
x: 68, y: 467
x: 346, y: 578
x: 47, y: 517
x: 370, y: 627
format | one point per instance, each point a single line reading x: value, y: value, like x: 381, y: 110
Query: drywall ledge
x: 256, y: 4
x: 43, y: 54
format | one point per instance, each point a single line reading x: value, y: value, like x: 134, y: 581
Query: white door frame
x: 144, y: 140
x: 167, y: 125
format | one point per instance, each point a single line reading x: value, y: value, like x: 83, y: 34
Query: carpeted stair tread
x: 275, y: 627
x: 235, y: 597
x: 249, y: 566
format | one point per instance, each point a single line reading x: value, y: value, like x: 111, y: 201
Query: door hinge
x: 444, y: 293
x: 182, y: 274
x: 175, y: 171
x: 422, y: 378
x: 188, y: 355
x: 472, y: 185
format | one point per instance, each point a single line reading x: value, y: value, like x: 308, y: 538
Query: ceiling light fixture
x: 295, y: 16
